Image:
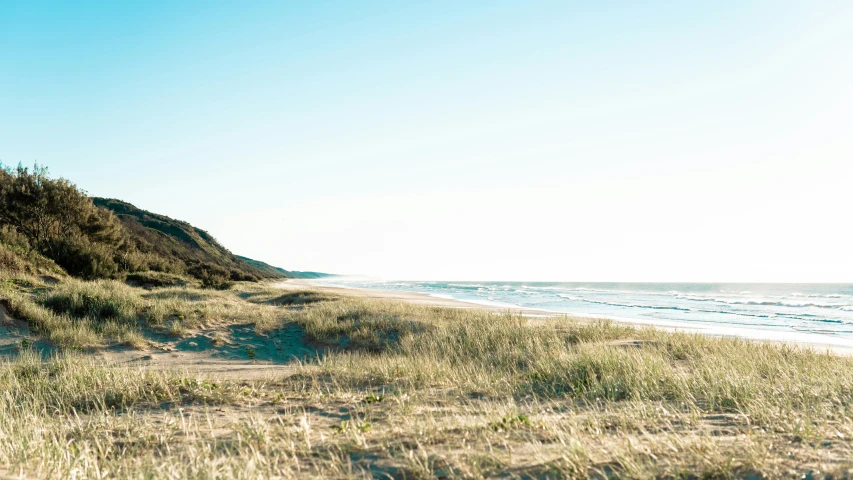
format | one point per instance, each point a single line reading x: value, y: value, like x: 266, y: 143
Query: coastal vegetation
x: 383, y: 389
x: 58, y: 229
x: 110, y: 317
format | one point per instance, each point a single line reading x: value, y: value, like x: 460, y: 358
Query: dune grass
x: 407, y: 391
x: 78, y: 315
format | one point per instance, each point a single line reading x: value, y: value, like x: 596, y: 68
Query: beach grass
x: 398, y: 390
x: 78, y: 314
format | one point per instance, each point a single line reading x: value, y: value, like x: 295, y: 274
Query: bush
x: 211, y: 276
x: 10, y: 261
x: 43, y: 218
x: 133, y: 260
x: 82, y: 258
x: 47, y: 211
x: 9, y: 236
x: 17, y: 256
x: 239, y: 276
x: 158, y: 279
x: 57, y: 220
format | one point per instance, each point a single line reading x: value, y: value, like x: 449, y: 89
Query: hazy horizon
x: 356, y: 277
x: 486, y: 141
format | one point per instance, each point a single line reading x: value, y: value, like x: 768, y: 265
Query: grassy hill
x: 193, y: 247
x: 50, y: 227
x: 286, y: 273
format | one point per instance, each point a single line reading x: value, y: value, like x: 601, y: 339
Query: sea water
x: 810, y: 313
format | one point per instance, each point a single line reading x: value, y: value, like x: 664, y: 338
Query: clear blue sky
x: 691, y: 141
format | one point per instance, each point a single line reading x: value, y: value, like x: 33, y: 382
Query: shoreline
x: 818, y: 342
x: 411, y: 297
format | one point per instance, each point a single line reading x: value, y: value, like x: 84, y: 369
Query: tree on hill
x: 104, y: 238
x: 60, y: 221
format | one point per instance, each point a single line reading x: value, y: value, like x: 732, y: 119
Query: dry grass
x: 406, y: 391
x: 77, y: 315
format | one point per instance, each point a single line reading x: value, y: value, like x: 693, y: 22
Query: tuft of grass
x: 509, y: 422
x: 100, y: 300
x: 372, y: 398
x: 367, y: 327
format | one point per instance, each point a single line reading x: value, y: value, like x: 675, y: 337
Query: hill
x: 193, y: 247
x: 265, y: 267
x: 50, y: 227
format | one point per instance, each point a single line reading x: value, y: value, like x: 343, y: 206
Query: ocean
x: 807, y: 313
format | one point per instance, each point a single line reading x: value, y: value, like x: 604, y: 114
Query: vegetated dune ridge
x: 49, y: 226
x: 282, y: 272
x: 262, y: 382
x: 189, y: 245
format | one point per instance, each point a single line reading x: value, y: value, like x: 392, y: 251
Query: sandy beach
x: 838, y: 346
x: 411, y: 297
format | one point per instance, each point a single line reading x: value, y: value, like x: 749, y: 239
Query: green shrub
x: 133, y: 260
x: 10, y: 261
x: 57, y: 220
x: 12, y: 238
x: 158, y: 279
x: 211, y: 276
x: 82, y: 258
x: 45, y: 218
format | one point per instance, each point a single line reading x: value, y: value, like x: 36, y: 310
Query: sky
x: 445, y: 140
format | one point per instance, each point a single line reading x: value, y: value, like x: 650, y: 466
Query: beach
x: 293, y: 380
x: 409, y: 297
x: 820, y: 342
